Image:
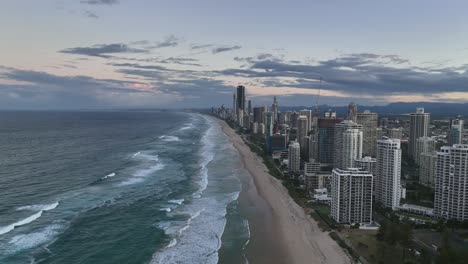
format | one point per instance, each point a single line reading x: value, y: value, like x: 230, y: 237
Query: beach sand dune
x: 280, y: 230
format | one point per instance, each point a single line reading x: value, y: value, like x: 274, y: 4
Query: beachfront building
x: 351, y: 193
x: 451, y: 183
x: 419, y: 127
x: 369, y: 122
x: 348, y: 144
x: 368, y: 164
x: 294, y: 158
x: 388, y: 172
x: 428, y: 162
x: 424, y: 145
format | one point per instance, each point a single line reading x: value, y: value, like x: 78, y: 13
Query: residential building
x: 388, y: 172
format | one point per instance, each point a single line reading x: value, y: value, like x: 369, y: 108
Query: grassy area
x: 364, y: 242
x: 416, y: 216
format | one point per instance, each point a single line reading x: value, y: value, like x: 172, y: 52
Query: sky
x: 105, y: 54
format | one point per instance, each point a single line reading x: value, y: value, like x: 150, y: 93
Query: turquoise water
x: 118, y: 187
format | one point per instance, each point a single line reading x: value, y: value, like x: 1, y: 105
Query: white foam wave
x: 38, y: 207
x: 189, y: 126
x: 169, y: 138
x: 29, y: 219
x: 177, y: 201
x: 109, y: 176
x: 207, y: 156
x: 136, y: 154
x: 140, y: 175
x: 166, y: 209
x: 172, y: 243
x: 31, y: 240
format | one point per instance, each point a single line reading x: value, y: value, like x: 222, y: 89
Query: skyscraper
x: 395, y: 132
x: 388, y: 172
x: 455, y: 135
x: 326, y: 139
x: 451, y: 183
x: 234, y: 107
x: 352, y: 112
x: 274, y: 109
x: 424, y: 145
x: 259, y: 114
x: 348, y: 144
x: 369, y: 122
x: 368, y: 164
x: 351, y: 192
x: 302, y: 131
x: 308, y: 114
x: 419, y: 127
x: 294, y: 157
x: 241, y: 97
x: 240, y: 104
x: 428, y: 162
x: 249, y: 107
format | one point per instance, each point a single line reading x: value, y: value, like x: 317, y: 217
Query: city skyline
x: 141, y: 54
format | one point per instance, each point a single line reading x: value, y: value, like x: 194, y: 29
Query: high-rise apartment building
x: 368, y: 164
x: 326, y: 139
x: 455, y: 134
x: 352, y: 112
x: 294, y: 157
x: 351, y: 192
x: 388, y: 173
x: 348, y: 144
x: 451, y: 183
x: 428, y: 162
x: 302, y: 130
x: 274, y: 110
x: 424, y: 145
x: 394, y: 132
x: 369, y: 122
x: 419, y: 127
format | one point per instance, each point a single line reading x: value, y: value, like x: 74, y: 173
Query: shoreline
x: 280, y: 230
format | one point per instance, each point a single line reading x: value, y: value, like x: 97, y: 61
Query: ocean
x: 119, y: 187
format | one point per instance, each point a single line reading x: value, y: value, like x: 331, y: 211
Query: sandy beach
x: 280, y: 230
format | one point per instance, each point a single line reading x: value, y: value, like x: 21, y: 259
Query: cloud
x: 100, y: 2
x: 170, y: 41
x: 101, y: 50
x: 48, y: 91
x: 200, y: 46
x: 361, y: 73
x: 225, y: 48
x: 90, y: 14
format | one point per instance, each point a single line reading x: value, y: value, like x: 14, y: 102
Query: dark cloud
x: 358, y: 73
x: 139, y: 66
x: 103, y: 50
x: 225, y: 48
x: 100, y: 2
x: 48, y: 91
x: 201, y: 46
x: 170, y: 41
x: 90, y: 14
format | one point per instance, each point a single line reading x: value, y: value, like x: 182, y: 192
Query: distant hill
x: 438, y: 110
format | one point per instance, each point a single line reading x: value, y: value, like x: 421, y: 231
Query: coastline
x: 281, y: 232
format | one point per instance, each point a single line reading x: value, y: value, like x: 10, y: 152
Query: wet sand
x: 280, y: 230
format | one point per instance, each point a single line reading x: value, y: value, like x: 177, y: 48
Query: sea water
x: 118, y: 187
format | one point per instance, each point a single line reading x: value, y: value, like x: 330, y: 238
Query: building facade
x: 347, y: 144
x: 369, y: 122
x: 388, y: 173
x: 451, y: 183
x: 419, y: 127
x: 351, y: 193
x: 294, y: 157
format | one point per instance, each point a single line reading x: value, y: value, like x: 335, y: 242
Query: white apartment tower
x: 451, y: 183
x: 294, y: 157
x: 348, y: 144
x: 419, y: 127
x: 388, y: 172
x: 351, y: 192
x: 424, y: 145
